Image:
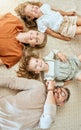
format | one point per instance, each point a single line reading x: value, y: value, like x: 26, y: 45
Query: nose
x: 59, y: 90
x: 34, y: 36
x: 34, y: 8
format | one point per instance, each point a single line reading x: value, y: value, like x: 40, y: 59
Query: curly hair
x: 24, y: 67
x: 20, y: 12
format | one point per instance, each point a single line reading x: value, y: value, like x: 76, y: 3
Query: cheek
x: 33, y: 14
x: 32, y: 41
x: 61, y: 99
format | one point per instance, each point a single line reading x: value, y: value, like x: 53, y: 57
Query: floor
x: 68, y: 117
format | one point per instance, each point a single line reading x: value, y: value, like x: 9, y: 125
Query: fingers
x: 64, y: 58
x: 50, y: 83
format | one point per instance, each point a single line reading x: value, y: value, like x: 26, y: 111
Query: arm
x: 63, y: 13
x: 67, y: 82
x: 49, y: 112
x: 57, y: 35
x: 61, y: 83
x: 62, y: 57
x: 1, y: 62
x: 20, y: 83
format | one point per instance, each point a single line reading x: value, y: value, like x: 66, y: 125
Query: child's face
x: 32, y: 11
x: 36, y: 64
x: 34, y: 38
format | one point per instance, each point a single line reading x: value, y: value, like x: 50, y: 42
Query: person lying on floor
x: 32, y: 106
x: 12, y: 37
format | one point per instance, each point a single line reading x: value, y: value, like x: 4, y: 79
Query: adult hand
x: 50, y: 84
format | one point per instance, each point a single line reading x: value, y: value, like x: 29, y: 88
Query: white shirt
x: 49, y: 19
x: 48, y: 116
x: 49, y: 59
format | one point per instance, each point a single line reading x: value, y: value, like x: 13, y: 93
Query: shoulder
x: 45, y: 8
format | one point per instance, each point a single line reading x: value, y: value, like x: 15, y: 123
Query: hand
x: 62, y: 57
x: 73, y: 13
x: 50, y: 84
x: 67, y: 38
x: 67, y: 82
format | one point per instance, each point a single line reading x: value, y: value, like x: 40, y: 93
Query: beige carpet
x: 68, y: 117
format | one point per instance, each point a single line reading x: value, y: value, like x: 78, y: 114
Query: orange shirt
x: 10, y: 48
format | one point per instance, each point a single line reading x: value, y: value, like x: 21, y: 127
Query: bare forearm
x: 50, y: 89
x: 50, y: 98
x: 64, y: 13
x: 56, y: 35
x: 67, y: 82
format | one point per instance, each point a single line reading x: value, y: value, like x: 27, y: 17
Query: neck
x: 40, y: 14
x: 46, y: 67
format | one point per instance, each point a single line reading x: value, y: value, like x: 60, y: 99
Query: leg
x: 79, y: 57
x: 79, y: 77
x: 78, y: 30
x: 78, y: 21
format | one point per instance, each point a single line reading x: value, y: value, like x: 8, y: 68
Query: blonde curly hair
x: 20, y: 12
x: 24, y: 67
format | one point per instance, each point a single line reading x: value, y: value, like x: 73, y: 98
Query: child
x: 57, y: 23
x: 55, y: 66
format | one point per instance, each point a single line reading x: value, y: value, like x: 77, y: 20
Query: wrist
x: 58, y: 54
x: 51, y: 89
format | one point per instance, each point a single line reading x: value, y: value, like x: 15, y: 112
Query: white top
x: 50, y: 19
x: 48, y: 116
x: 49, y: 59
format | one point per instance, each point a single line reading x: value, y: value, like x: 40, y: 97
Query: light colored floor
x: 68, y: 117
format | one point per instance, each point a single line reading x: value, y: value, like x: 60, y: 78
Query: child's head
x: 35, y: 64
x: 29, y: 12
x: 31, y: 66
